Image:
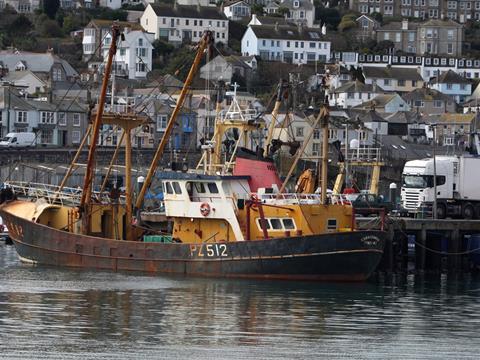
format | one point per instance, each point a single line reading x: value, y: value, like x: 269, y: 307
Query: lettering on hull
x: 208, y: 250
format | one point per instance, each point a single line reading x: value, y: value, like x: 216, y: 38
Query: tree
x: 50, y: 7
x: 50, y: 28
x: 20, y: 26
x: 347, y: 25
x: 162, y: 48
x: 330, y: 17
x: 384, y: 45
x: 377, y: 16
x: 282, y: 11
x: 257, y: 9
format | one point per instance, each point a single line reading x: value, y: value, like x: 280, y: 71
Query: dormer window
x: 296, y: 4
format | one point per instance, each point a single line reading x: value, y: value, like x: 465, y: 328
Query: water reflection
x: 72, y: 313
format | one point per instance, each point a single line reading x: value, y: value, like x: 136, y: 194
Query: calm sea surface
x: 56, y: 313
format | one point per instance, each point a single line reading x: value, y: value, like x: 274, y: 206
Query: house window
x: 386, y: 82
x: 449, y: 48
x: 449, y: 86
x: 161, y: 122
x: 46, y: 136
x: 141, y: 67
x: 75, y: 137
x: 419, y: 103
x: 76, y: 119
x: 21, y: 116
x: 299, y: 131
x: 46, y: 117
x: 332, y: 134
x: 61, y: 118
x: 122, y: 52
x: 401, y: 82
x: 56, y: 74
x: 141, y: 52
x: 316, y: 134
x: 438, y: 104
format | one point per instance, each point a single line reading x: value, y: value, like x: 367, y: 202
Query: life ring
x: 205, y: 209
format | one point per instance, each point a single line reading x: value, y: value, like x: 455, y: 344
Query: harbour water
x: 69, y: 314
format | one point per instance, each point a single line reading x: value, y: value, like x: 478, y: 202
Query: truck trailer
x: 458, y: 186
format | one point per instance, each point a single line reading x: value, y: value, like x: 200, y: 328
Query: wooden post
x: 453, y: 249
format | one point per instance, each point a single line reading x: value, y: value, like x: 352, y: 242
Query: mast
x: 87, y: 186
x: 280, y: 91
x: 204, y: 43
x: 324, y: 113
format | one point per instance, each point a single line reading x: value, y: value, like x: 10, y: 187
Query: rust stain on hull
x: 326, y: 257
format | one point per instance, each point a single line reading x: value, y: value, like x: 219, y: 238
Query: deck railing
x: 67, y: 196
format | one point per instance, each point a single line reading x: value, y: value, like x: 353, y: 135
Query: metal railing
x: 301, y: 199
x: 50, y: 193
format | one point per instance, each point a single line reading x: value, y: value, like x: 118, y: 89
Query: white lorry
x: 458, y: 186
x: 18, y: 140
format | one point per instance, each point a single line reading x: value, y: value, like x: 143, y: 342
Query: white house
x: 386, y: 103
x: 454, y: 85
x: 193, y: 2
x: 290, y: 44
x: 28, y: 80
x: 178, y: 24
x: 112, y: 4
x: 134, y: 54
x: 236, y: 9
x: 224, y: 67
x: 299, y: 11
x: 353, y: 93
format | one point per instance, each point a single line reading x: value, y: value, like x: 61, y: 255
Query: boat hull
x: 344, y: 256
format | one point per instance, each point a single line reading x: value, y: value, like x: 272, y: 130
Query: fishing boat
x: 223, y: 223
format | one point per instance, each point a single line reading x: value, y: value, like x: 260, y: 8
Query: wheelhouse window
x: 288, y: 224
x: 212, y: 187
x: 276, y: 224
x: 176, y: 188
x: 200, y: 187
x: 169, y: 188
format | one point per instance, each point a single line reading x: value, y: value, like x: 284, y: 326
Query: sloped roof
x: 357, y: 87
x: 442, y: 23
x: 371, y: 116
x: 35, y: 62
x: 194, y: 12
x: 271, y: 20
x: 398, y: 73
x: 426, y: 94
x: 378, y: 101
x: 456, y: 118
x: 304, y: 4
x: 403, y: 117
x: 287, y: 33
x: 397, y: 25
x: 450, y: 77
x: 100, y: 23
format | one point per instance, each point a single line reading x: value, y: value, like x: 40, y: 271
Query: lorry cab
x: 418, y: 181
x: 12, y: 140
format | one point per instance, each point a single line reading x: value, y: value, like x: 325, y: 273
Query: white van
x: 23, y: 139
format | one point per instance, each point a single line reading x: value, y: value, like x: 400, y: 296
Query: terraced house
x: 183, y: 24
x: 290, y: 44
